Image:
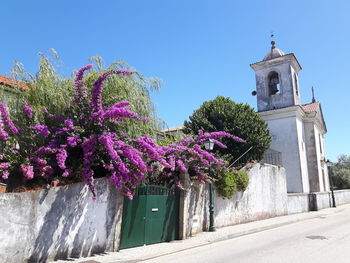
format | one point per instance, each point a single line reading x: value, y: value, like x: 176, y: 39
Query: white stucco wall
x: 265, y: 197
x: 58, y: 223
x: 342, y: 196
x: 302, y: 154
x: 298, y: 203
x: 320, y: 151
x: 287, y: 134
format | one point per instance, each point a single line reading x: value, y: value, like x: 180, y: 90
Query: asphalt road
x: 325, y: 239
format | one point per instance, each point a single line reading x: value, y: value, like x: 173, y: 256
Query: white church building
x: 297, y: 130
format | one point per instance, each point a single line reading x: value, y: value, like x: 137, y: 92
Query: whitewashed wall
x: 58, y: 223
x: 266, y: 196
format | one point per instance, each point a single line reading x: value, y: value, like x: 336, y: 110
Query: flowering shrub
x: 88, y: 143
x: 230, y: 181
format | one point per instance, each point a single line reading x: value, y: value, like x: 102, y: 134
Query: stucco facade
x: 297, y: 130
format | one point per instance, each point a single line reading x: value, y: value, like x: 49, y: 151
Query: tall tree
x: 223, y: 114
x: 49, y: 89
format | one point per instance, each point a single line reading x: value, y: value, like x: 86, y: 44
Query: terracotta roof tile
x: 310, y: 107
x: 13, y: 83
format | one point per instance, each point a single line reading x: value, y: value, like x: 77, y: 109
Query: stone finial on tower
x: 272, y: 41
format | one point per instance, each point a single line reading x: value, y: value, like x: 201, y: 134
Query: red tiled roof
x: 310, y: 107
x: 13, y: 83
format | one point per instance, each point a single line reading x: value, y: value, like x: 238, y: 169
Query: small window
x: 319, y: 140
x: 296, y: 84
x: 274, y: 83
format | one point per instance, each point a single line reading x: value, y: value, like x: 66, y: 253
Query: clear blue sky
x: 199, y: 48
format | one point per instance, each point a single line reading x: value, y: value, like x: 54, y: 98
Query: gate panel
x: 133, y: 223
x: 161, y: 219
x: 151, y: 217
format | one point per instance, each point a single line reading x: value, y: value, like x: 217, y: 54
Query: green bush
x: 228, y: 183
x: 340, y: 172
x: 242, y: 180
x: 223, y: 114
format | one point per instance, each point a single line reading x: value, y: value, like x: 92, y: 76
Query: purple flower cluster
x: 27, y: 171
x: 4, y: 135
x: 96, y: 92
x: 6, y: 120
x: 4, y: 169
x: 28, y: 110
x: 80, y: 90
x: 61, y: 158
x: 117, y: 113
x: 203, y: 136
x: 42, y: 130
x: 72, y: 141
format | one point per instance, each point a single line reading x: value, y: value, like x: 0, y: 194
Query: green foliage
x: 223, y: 114
x: 242, y: 180
x: 340, y: 172
x: 229, y: 182
x: 50, y: 90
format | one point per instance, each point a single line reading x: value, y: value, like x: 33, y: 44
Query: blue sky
x: 199, y: 48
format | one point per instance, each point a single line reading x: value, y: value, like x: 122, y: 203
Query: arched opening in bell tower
x: 274, y: 83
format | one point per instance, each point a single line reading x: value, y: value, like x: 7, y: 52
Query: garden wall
x: 342, y: 196
x: 304, y: 202
x: 298, y: 203
x: 60, y: 222
x: 265, y: 197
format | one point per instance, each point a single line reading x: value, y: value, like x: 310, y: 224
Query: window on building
x: 296, y: 84
x: 274, y: 83
x: 320, y: 142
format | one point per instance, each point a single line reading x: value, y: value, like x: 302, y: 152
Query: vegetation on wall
x: 230, y: 181
x: 223, y: 114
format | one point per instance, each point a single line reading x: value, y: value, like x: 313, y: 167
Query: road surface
x: 325, y: 239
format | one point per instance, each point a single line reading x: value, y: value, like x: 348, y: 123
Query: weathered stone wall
x: 303, y: 202
x: 298, y: 203
x: 323, y: 200
x: 342, y: 196
x: 60, y: 222
x: 266, y: 196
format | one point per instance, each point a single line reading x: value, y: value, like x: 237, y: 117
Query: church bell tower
x: 277, y: 84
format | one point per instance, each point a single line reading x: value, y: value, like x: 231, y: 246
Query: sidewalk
x: 152, y: 251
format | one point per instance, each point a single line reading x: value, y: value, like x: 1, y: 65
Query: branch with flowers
x: 87, y: 143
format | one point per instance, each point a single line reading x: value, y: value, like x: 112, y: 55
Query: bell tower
x: 277, y: 83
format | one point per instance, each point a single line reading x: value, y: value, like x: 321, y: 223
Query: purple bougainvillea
x: 42, y: 130
x: 82, y: 144
x: 6, y: 120
x: 28, y: 111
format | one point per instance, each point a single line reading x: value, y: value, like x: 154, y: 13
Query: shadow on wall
x: 197, y: 210
x: 70, y: 224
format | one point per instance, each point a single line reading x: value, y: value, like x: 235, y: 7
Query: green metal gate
x: 151, y: 217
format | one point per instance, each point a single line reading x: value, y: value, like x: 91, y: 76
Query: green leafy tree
x: 47, y: 88
x: 340, y: 172
x: 223, y: 114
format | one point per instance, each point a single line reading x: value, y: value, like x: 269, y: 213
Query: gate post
x: 183, y: 206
